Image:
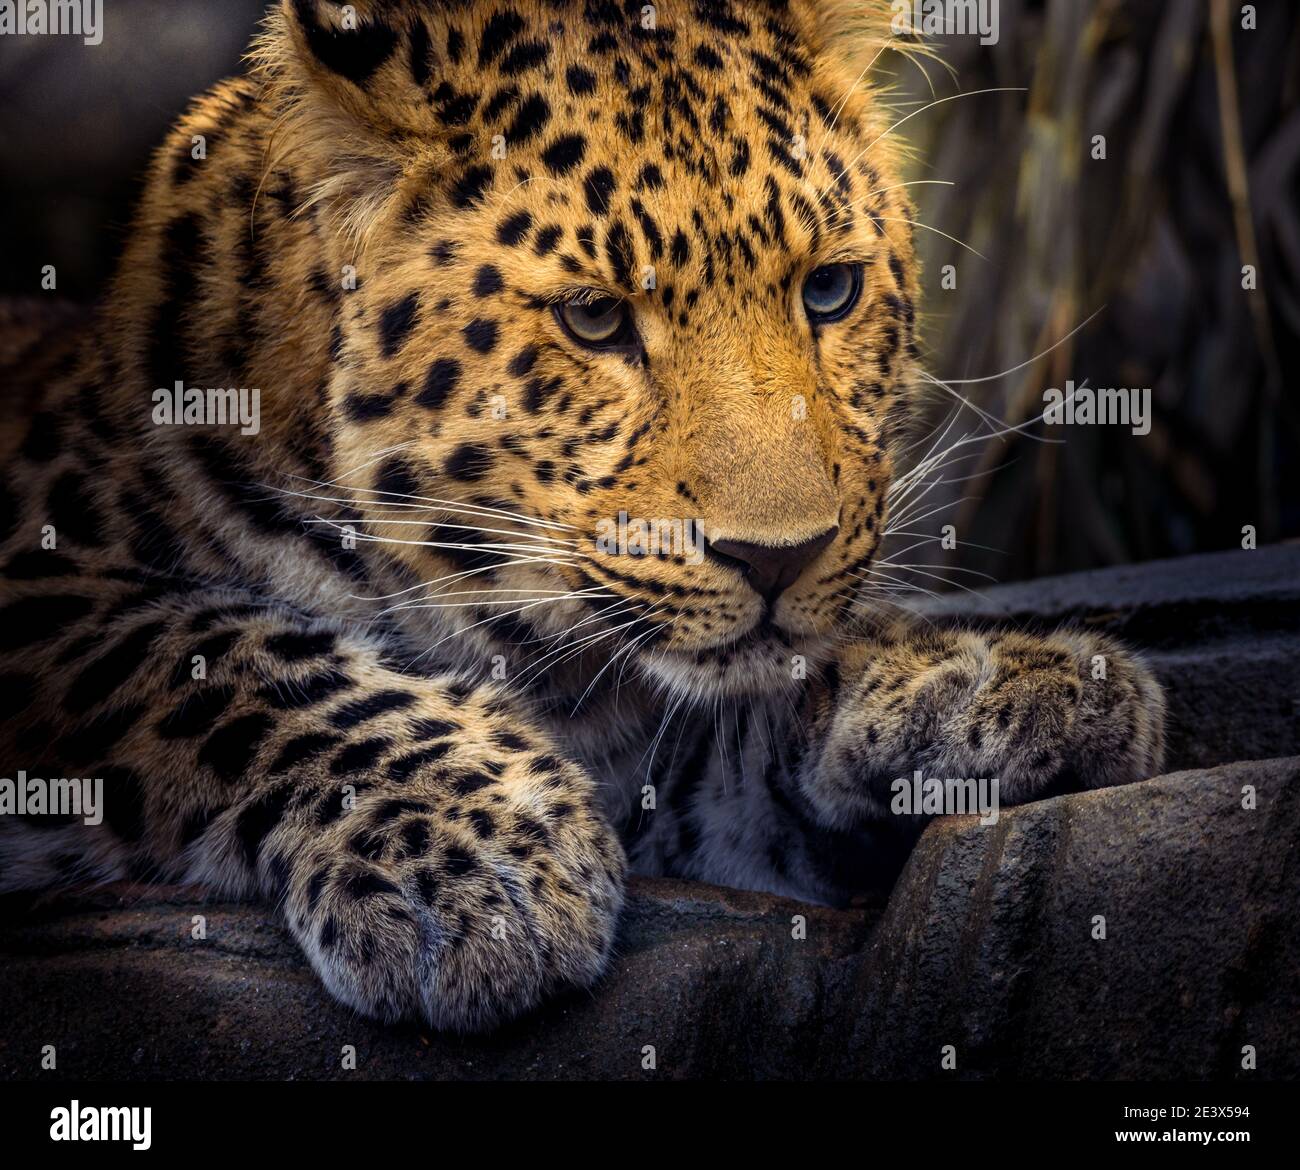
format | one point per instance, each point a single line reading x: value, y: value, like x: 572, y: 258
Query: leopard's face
x: 627, y: 281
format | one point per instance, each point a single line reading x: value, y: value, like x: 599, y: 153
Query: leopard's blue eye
x: 831, y: 291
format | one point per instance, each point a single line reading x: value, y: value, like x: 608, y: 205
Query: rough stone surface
x: 986, y: 943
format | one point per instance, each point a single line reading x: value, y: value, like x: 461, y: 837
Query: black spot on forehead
x: 539, y: 392
x: 772, y: 212
x: 454, y: 109
x: 632, y: 121
x: 481, y: 335
x: 351, y: 53
x: 720, y: 15
x: 522, y: 363
x: 469, y: 188
x: 502, y: 100
x: 706, y: 58
x: 618, y: 250
x: 530, y: 120
x: 36, y: 618
x: 547, y: 239
x: 843, y: 177
x: 443, y: 376
x: 444, y: 251
x: 740, y: 158
x: 72, y: 510
x: 719, y: 116
x: 524, y: 56
x: 488, y: 281
x: 599, y: 186
x: 565, y: 153
x: 514, y: 228
x: 500, y: 30
x: 469, y: 462
x: 651, y: 178
x: 779, y: 126
x: 396, y: 476
x: 580, y: 81
x: 367, y: 407
x: 649, y: 229
x: 781, y: 151
x: 396, y: 323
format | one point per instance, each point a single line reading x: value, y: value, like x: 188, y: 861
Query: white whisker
x: 921, y: 110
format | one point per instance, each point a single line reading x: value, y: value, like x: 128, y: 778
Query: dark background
x: 1154, y: 237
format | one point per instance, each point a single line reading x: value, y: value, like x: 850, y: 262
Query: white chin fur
x: 760, y: 670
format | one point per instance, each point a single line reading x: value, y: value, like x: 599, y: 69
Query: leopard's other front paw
x: 462, y: 901
x: 1119, y: 727
x: 1073, y: 710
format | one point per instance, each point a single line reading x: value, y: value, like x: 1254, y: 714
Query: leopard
x: 491, y: 275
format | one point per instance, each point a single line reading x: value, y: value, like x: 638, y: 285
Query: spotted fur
x: 368, y: 664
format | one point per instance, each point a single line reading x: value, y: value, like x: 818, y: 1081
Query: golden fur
x: 366, y: 663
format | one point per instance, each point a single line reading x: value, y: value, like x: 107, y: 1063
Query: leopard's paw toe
x: 460, y: 918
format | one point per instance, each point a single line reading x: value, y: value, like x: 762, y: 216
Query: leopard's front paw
x: 1075, y: 710
x: 461, y: 902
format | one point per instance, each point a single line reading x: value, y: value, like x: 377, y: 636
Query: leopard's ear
x: 854, y: 43
x: 857, y: 32
x: 350, y: 86
x: 372, y: 58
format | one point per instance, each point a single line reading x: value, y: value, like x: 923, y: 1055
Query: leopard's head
x: 632, y: 341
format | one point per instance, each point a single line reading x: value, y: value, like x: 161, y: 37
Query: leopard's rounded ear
x: 350, y: 86
x: 373, y: 59
x: 856, y: 32
x: 853, y: 43
x: 349, y: 41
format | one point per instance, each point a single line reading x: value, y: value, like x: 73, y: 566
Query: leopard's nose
x: 771, y: 569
